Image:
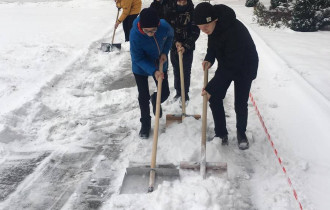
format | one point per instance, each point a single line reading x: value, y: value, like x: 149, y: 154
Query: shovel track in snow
x: 77, y: 179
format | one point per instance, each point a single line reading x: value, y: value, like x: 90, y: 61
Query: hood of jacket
x: 226, y: 17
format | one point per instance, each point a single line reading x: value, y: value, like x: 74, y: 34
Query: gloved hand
x: 179, y: 47
x: 159, y: 74
x: 117, y: 24
x: 204, y: 92
x: 206, y: 65
x: 162, y: 58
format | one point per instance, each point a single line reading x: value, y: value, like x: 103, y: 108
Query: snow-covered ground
x: 69, y: 117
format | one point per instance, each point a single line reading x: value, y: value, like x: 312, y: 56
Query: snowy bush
x: 278, y: 17
x: 323, y: 15
x: 303, y: 16
x: 276, y: 3
x: 300, y: 15
x: 251, y: 3
x: 310, y: 15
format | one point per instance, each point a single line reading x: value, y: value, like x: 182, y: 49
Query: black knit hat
x: 204, y: 13
x: 149, y: 18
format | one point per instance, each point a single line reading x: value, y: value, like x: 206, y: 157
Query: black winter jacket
x: 232, y: 45
x: 164, y: 8
x: 185, y: 30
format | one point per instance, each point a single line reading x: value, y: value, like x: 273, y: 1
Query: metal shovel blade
x: 136, y: 178
x: 107, y: 47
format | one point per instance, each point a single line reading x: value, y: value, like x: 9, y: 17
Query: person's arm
x: 209, y: 59
x: 210, y: 55
x: 127, y: 4
x: 192, y: 37
x: 139, y: 57
x: 118, y: 4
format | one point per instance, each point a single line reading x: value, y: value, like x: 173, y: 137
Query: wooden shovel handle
x: 204, y: 116
x: 183, y: 96
x: 156, y: 129
x: 114, y: 29
x: 204, y: 125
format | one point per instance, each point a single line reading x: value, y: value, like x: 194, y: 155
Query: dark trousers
x: 187, y: 61
x: 127, y: 25
x: 242, y: 88
x: 144, y: 96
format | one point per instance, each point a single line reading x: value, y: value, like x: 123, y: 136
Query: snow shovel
x: 136, y: 177
x: 203, y: 166
x: 107, y: 47
x: 171, y: 118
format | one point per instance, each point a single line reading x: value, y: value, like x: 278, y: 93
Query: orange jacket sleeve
x: 130, y: 7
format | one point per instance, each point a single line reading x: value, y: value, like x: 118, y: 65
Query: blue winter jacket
x: 144, y: 50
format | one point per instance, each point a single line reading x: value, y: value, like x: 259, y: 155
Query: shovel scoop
x: 137, y: 178
x: 172, y: 118
x: 144, y: 178
x: 107, y: 47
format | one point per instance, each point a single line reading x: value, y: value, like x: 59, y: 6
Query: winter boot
x: 187, y: 97
x: 145, y: 129
x: 153, y: 102
x: 186, y: 101
x: 176, y: 97
x: 243, y: 142
x: 224, y: 140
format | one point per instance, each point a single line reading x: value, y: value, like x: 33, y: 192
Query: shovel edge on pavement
x: 214, y: 166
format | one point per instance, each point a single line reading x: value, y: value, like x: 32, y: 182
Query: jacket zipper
x: 156, y: 44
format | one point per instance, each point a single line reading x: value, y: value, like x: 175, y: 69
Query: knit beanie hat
x: 204, y: 14
x: 149, y: 18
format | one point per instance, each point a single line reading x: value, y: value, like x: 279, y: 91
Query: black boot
x: 145, y: 128
x: 187, y: 97
x: 176, y: 97
x: 153, y: 102
x: 243, y: 142
x: 186, y: 100
x: 224, y: 140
